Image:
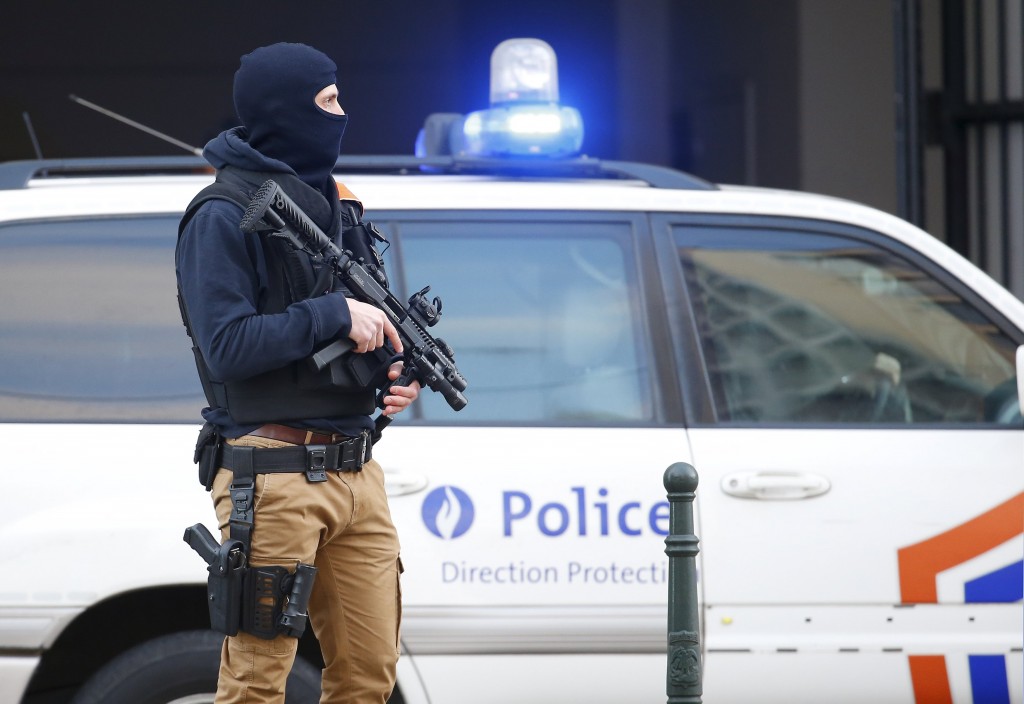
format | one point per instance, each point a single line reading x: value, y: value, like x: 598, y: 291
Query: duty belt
x: 315, y: 460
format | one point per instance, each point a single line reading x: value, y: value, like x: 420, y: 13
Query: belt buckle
x: 316, y: 463
x: 366, y: 447
x: 241, y: 501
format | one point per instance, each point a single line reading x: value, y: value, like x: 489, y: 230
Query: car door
x: 861, y: 467
x: 533, y: 521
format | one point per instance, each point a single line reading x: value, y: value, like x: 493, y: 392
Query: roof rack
x: 581, y: 167
x: 17, y: 174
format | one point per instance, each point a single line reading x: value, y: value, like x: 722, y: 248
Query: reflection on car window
x: 798, y: 327
x: 543, y: 317
x: 89, y: 329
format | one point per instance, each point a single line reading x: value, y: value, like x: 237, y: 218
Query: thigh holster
x: 264, y: 601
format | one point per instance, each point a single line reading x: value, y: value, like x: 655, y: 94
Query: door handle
x: 398, y: 483
x: 775, y: 486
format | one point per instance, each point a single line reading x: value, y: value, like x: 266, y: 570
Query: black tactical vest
x: 296, y: 391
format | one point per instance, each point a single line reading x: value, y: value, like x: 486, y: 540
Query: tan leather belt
x: 297, y: 436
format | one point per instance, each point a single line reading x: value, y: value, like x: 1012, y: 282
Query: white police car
x: 844, y: 384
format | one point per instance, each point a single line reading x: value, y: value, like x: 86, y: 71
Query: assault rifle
x: 427, y: 359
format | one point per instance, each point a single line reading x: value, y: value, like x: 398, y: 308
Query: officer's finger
x: 392, y: 334
x: 402, y: 394
x: 396, y: 404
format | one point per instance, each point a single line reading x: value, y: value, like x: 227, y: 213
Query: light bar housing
x: 525, y: 119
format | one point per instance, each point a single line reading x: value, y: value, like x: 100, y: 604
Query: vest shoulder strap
x: 217, y: 189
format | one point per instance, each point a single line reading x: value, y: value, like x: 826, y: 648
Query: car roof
x: 18, y: 174
x: 33, y: 190
x: 166, y: 184
x: 137, y: 185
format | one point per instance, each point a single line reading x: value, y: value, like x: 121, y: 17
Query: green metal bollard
x: 684, y: 666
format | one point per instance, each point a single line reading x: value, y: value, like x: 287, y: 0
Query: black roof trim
x: 17, y: 174
x: 582, y: 167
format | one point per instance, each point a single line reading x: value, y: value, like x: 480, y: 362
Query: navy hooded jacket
x: 222, y: 272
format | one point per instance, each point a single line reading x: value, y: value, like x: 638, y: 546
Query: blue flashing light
x: 525, y: 118
x: 523, y: 71
x: 523, y: 130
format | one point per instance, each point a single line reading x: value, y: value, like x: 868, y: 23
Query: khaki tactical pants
x: 343, y: 527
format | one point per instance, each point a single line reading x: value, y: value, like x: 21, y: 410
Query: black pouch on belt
x: 207, y: 454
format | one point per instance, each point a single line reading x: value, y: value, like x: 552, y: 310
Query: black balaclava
x: 274, y: 93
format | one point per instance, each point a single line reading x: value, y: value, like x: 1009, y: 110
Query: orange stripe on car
x: 920, y: 564
x: 929, y: 678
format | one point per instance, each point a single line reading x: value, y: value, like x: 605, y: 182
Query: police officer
x: 255, y: 315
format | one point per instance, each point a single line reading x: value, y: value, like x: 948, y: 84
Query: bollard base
x: 684, y: 681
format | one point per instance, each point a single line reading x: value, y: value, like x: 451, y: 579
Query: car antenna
x: 136, y: 125
x: 32, y: 135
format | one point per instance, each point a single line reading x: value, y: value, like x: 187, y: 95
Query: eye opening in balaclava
x: 274, y: 91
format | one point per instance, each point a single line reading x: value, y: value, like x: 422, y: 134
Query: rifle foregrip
x: 407, y: 376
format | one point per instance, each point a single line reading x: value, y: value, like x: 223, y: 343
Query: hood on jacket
x: 282, y: 126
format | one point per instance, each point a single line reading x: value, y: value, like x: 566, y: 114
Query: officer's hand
x: 399, y: 397
x: 370, y: 326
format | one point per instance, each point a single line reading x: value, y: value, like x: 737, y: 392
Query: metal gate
x: 976, y: 118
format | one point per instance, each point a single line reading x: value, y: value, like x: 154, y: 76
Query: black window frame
x: 699, y: 399
x: 664, y: 391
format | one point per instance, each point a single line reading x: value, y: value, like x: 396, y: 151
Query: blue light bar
x: 523, y: 71
x: 523, y: 130
x: 525, y: 118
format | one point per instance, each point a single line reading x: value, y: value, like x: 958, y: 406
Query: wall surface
x: 787, y: 93
x: 847, y: 108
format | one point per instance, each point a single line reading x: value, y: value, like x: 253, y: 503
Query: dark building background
x: 801, y: 94
x: 170, y: 66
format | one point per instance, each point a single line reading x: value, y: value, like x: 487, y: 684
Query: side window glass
x: 808, y: 328
x: 102, y: 341
x: 544, y: 319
